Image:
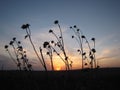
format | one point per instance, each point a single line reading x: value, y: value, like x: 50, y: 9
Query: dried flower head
x: 83, y: 36
x: 72, y: 36
x: 75, y: 26
x: 52, y: 41
x: 6, y: 46
x: 93, y: 50
x: 11, y: 42
x: 56, y: 22
x: 14, y: 38
x: 93, y: 39
x: 45, y: 44
x: 50, y: 31
x: 70, y: 27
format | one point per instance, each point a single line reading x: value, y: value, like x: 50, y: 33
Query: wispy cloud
x: 6, y: 63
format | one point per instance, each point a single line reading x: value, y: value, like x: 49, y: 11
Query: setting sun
x: 58, y: 64
x: 58, y: 68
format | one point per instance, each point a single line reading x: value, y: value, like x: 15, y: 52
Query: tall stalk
x: 22, y: 53
x: 26, y: 27
x: 50, y: 52
x: 79, y: 38
x: 43, y: 58
x: 80, y: 41
x: 66, y: 64
x: 19, y: 63
x: 6, y: 47
x: 61, y: 42
x: 95, y: 61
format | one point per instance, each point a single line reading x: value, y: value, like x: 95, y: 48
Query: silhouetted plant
x: 16, y: 54
x: 17, y: 42
x: 28, y: 32
x: 52, y: 50
x: 42, y: 57
x: 19, y: 54
x: 60, y: 42
x: 6, y: 47
x: 22, y: 53
x: 19, y: 50
x: 88, y: 57
x: 50, y: 53
x: 80, y: 38
x: 94, y: 51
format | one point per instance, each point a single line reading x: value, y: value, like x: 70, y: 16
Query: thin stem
x: 35, y: 49
x: 61, y: 35
x: 63, y: 49
x: 51, y: 57
x: 57, y: 37
x: 15, y: 51
x: 62, y: 45
x: 51, y: 61
x: 81, y: 50
x: 66, y: 58
x: 16, y: 57
x: 29, y: 31
x: 43, y: 59
x: 88, y: 44
x: 11, y: 57
x: 95, y: 61
x: 60, y: 56
x: 79, y: 40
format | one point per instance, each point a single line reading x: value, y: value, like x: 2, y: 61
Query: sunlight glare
x: 58, y: 68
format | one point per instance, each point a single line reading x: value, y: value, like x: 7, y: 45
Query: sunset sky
x: 96, y: 18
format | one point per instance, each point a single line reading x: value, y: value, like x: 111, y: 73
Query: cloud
x: 6, y: 63
x: 109, y: 57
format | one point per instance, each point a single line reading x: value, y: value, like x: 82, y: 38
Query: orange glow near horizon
x: 58, y: 68
x: 60, y: 65
x: 77, y: 62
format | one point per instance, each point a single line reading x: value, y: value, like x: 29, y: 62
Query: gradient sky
x: 96, y: 18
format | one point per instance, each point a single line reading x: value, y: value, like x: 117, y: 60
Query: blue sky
x: 96, y: 18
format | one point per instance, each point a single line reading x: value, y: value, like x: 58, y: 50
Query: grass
x: 96, y: 79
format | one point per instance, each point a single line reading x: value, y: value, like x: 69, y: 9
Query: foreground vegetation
x: 86, y: 50
x: 89, y: 79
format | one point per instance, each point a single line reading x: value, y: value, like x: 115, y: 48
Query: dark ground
x: 97, y: 79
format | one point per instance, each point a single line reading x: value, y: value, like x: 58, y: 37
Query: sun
x: 58, y: 68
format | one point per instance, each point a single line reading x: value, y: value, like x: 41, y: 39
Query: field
x: 97, y: 79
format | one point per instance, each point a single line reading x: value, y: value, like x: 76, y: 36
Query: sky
x: 96, y: 18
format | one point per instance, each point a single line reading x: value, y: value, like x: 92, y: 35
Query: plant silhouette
x: 79, y: 40
x: 28, y: 32
x: 79, y: 37
x: 16, y: 54
x: 19, y: 54
x: 49, y: 53
x: 42, y: 57
x: 86, y: 51
x: 60, y: 43
x: 22, y: 53
x: 6, y: 47
x: 51, y: 50
x: 95, y: 61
